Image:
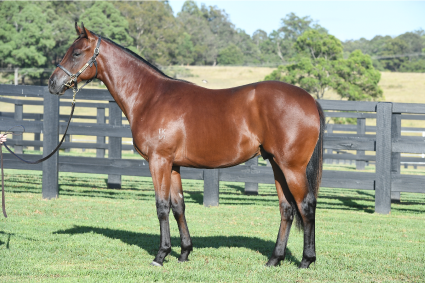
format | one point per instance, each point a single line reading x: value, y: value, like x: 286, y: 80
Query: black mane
x: 128, y: 51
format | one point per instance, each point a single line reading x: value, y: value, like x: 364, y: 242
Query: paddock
x: 102, y: 225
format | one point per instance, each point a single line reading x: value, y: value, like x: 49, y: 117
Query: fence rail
x: 341, y: 142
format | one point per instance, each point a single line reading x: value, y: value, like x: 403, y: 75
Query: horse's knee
x: 162, y: 209
x: 308, y: 206
x: 178, y: 208
x: 286, y: 211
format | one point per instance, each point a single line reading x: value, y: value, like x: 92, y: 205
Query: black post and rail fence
x: 384, y: 144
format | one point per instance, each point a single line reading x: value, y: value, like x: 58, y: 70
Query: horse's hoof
x: 306, y: 263
x: 154, y: 263
x: 273, y: 262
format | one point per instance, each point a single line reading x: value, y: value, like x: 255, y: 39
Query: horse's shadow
x: 150, y: 242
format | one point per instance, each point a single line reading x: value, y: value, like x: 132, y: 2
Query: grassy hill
x: 397, y: 87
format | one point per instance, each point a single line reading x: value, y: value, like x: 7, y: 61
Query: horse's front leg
x: 177, y: 204
x: 160, y: 169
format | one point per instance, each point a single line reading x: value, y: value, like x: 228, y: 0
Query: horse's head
x: 80, y: 52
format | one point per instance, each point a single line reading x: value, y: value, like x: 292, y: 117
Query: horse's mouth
x: 62, y: 92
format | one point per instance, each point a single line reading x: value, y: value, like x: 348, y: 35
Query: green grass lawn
x: 91, y: 233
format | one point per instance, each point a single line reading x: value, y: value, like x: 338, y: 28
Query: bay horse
x: 176, y: 123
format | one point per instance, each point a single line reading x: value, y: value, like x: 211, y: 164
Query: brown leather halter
x: 72, y: 81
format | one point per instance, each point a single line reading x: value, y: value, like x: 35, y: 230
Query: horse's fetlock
x: 187, y: 247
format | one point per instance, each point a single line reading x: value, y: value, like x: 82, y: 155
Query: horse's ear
x: 85, y: 32
x: 77, y: 29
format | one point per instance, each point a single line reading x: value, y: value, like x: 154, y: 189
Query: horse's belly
x: 218, y: 151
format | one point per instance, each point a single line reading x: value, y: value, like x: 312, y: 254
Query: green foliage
x: 154, y: 28
x: 210, y: 30
x: 185, y: 50
x: 107, y: 21
x: 315, y: 76
x: 231, y: 55
x: 357, y: 79
x: 319, y: 45
x: 35, y: 35
x: 413, y: 66
x: 25, y: 35
x: 344, y: 121
x: 391, y: 48
x: 293, y: 26
x: 398, y: 54
x: 321, y: 66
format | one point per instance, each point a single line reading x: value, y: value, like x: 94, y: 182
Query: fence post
x: 361, y: 130
x: 251, y: 188
x: 16, y: 76
x: 329, y: 130
x: 383, y: 158
x: 395, y: 156
x: 18, y: 116
x: 50, y: 167
x: 115, y: 144
x: 211, y: 187
x: 100, y: 152
x: 37, y: 135
x: 68, y: 139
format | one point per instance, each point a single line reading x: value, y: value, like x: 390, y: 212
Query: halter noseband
x: 73, y: 77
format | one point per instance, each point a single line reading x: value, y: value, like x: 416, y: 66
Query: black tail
x: 314, y: 166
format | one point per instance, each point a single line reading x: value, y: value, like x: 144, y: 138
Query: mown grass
x: 94, y: 234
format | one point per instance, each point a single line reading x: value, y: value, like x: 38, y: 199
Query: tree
x: 231, y: 55
x: 154, y: 28
x: 321, y: 65
x: 291, y: 28
x: 210, y: 30
x: 319, y: 45
x: 25, y: 36
x: 185, y: 50
x: 356, y: 78
x: 401, y: 54
x: 313, y: 70
x: 250, y: 51
x: 106, y: 20
x: 394, y: 47
x: 196, y: 26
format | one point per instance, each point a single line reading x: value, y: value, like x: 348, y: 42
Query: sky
x: 344, y: 19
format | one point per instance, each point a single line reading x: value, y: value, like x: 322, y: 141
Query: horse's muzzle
x: 55, y: 86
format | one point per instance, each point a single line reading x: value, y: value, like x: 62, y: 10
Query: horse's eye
x: 77, y: 54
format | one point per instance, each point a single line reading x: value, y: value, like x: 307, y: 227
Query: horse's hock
x: 342, y: 143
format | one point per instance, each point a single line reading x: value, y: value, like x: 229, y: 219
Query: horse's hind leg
x: 178, y: 206
x: 305, y: 199
x: 286, y: 213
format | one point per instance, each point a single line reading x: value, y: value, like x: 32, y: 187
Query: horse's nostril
x: 52, y: 82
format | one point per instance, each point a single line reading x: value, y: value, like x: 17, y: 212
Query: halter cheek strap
x: 74, y: 77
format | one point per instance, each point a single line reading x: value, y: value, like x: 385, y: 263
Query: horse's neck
x: 129, y: 80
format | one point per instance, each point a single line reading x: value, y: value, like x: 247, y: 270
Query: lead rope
x: 3, y: 204
x: 73, y: 79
